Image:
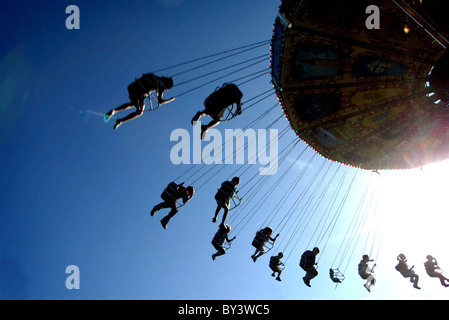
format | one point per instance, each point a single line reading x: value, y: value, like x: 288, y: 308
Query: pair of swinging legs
x: 217, y: 211
x: 414, y: 278
x: 138, y: 104
x: 167, y: 218
x: 278, y: 270
x: 259, y: 252
x: 205, y: 128
x: 369, y: 282
x: 310, y: 274
x: 440, y: 276
x: 220, y: 251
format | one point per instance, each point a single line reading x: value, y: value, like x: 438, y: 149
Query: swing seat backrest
x: 144, y: 85
x: 336, y: 276
x: 236, y: 201
x: 170, y: 194
x: 225, y: 192
x: 219, y: 240
x: 260, y: 240
x: 223, y: 97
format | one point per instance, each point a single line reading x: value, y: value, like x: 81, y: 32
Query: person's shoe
x: 204, y: 129
x: 254, y: 258
x: 278, y: 279
x: 164, y: 222
x: 153, y: 212
x: 214, y: 220
x: 108, y: 116
x: 118, y: 123
x: 307, y: 282
x: 213, y: 257
x: 196, y: 118
x: 416, y: 287
x: 367, y: 288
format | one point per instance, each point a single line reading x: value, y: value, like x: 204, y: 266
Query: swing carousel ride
x: 369, y: 98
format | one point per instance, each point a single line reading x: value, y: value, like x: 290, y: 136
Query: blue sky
x: 76, y: 192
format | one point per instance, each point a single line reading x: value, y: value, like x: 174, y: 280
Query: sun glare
x: 413, y: 210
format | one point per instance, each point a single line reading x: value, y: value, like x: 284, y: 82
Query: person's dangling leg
x: 310, y: 274
x: 221, y: 251
x: 197, y: 117
x: 205, y: 128
x: 225, y: 214
x: 170, y: 215
x: 442, y: 279
x: 255, y: 256
x: 415, y: 278
x: 279, y: 271
x: 368, y: 283
x: 439, y: 276
x: 124, y: 106
x: 217, y: 211
x: 159, y: 206
x: 140, y: 108
x: 259, y: 252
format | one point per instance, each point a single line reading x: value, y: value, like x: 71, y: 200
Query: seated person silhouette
x: 217, y: 103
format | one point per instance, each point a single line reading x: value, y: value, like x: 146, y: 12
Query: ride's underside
x: 370, y: 98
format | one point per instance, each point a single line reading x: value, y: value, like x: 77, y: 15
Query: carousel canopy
x: 371, y: 98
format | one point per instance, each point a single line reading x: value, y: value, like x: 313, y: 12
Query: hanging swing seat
x: 146, y: 86
x: 152, y: 96
x: 260, y: 241
x: 226, y: 194
x: 217, y: 241
x: 231, y: 113
x: 236, y: 201
x: 272, y: 265
x: 336, y: 275
x: 223, y: 97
